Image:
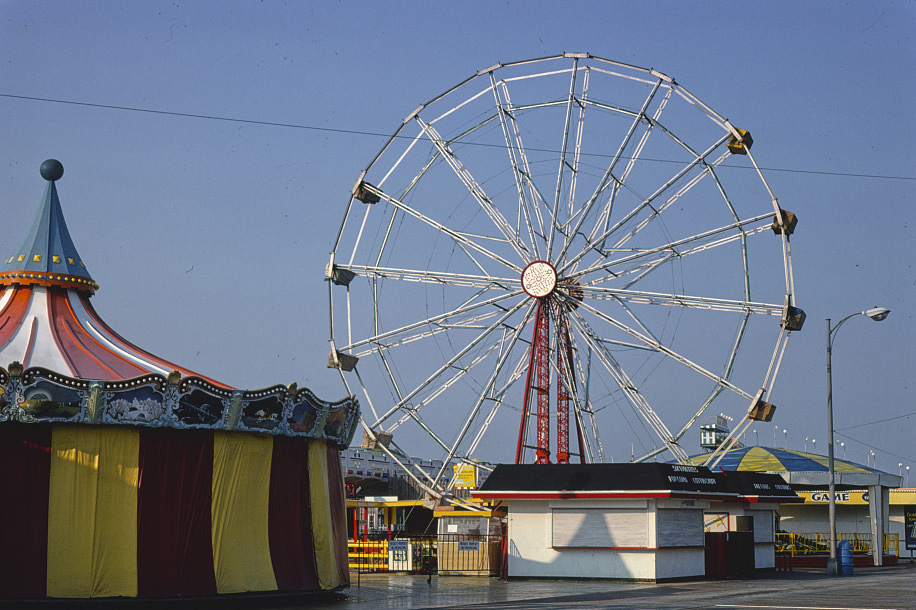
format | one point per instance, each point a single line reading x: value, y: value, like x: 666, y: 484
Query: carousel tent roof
x: 46, y: 319
x: 798, y: 467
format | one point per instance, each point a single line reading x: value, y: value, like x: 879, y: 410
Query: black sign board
x: 909, y: 526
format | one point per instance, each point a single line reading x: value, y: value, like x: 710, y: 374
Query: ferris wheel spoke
x: 476, y: 191
x: 447, y: 383
x: 659, y: 347
x: 529, y: 197
x: 456, y: 318
x: 454, y: 360
x: 679, y: 248
x: 604, y: 217
x: 629, y: 389
x: 657, y: 212
x: 429, y: 329
x: 431, y: 277
x: 681, y: 300
x: 729, y: 365
x: 498, y: 398
x: 485, y: 391
x: 563, y: 163
x: 608, y: 176
x: 455, y: 235
x: 645, y: 204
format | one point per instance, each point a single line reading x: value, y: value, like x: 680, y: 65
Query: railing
x: 445, y: 553
x: 819, y: 544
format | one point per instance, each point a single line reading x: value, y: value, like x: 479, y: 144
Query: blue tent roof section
x: 769, y: 459
x: 48, y: 247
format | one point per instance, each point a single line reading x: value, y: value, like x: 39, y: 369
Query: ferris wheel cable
x: 564, y: 146
x: 577, y: 147
x: 634, y: 396
x: 486, y: 390
x: 682, y: 300
x: 729, y: 365
x: 605, y: 215
x: 666, y: 350
x: 432, y: 277
x: 762, y: 223
x: 518, y: 173
x: 474, y: 188
x: 460, y: 354
x: 497, y: 402
x: 381, y: 337
x: 657, y: 212
x: 440, y: 227
x: 698, y: 160
x: 771, y: 375
x: 646, y: 267
x: 535, y: 197
x: 587, y: 206
x: 457, y: 375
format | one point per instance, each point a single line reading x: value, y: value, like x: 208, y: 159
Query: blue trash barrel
x: 844, y: 549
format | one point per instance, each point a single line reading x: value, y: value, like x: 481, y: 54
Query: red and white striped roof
x: 46, y: 318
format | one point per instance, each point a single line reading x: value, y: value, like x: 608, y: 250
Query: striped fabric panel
x: 338, y: 506
x: 330, y: 536
x: 106, y: 511
x: 25, y: 452
x: 292, y: 549
x: 239, y: 513
x: 92, y: 512
x: 174, y: 546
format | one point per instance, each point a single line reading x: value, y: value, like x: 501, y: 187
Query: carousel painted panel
x: 152, y: 400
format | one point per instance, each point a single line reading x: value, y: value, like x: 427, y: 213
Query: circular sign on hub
x: 539, y: 279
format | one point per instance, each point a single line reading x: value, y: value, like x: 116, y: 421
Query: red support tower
x: 538, y: 379
x: 539, y: 281
x: 563, y: 357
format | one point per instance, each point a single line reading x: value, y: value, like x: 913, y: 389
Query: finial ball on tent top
x: 52, y: 170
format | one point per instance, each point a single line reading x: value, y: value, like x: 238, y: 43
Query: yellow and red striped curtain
x: 107, y: 511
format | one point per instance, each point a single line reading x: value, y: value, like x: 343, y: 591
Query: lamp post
x: 877, y: 314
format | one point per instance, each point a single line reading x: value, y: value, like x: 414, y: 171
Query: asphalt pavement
x: 885, y: 588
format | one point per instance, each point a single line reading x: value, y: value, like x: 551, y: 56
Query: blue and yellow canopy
x: 766, y: 459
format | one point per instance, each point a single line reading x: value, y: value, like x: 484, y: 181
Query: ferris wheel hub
x: 539, y: 279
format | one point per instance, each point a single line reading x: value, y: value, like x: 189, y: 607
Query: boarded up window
x: 600, y: 527
x: 763, y: 525
x: 675, y: 527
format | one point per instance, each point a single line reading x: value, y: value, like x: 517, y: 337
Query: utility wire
x: 877, y: 421
x: 385, y: 135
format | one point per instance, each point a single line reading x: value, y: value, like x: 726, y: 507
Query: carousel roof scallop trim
x: 68, y: 365
x: 38, y: 395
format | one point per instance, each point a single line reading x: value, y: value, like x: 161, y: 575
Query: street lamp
x: 877, y: 314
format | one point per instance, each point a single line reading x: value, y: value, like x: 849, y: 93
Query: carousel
x: 126, y: 475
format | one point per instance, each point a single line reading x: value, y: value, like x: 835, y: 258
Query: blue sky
x: 209, y: 237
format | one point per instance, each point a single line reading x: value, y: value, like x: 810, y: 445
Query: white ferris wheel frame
x: 501, y: 258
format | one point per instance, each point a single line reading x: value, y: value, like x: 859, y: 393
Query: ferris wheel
x: 563, y: 259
